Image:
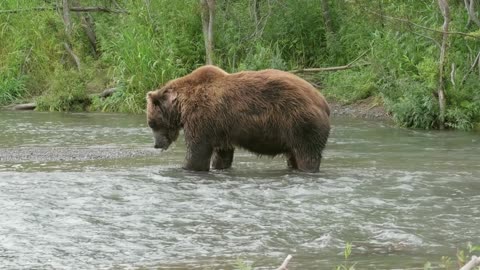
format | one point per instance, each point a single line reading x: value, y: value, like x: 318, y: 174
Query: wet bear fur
x: 268, y: 112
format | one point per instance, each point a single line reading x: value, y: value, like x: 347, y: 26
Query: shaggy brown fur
x: 267, y: 112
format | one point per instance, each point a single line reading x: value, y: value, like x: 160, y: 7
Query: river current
x: 88, y: 191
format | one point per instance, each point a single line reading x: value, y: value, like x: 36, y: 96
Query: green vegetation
x: 462, y: 257
x: 155, y: 41
x: 346, y: 254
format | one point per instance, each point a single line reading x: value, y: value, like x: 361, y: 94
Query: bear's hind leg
x: 291, y: 162
x: 222, y: 159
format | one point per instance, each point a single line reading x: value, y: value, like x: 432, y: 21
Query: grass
x: 161, y: 40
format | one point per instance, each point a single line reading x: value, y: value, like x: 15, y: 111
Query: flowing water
x: 88, y: 191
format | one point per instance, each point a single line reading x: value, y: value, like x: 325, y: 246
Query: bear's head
x: 163, y: 116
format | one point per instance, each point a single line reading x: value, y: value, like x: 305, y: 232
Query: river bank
x: 364, y: 109
x: 369, y: 108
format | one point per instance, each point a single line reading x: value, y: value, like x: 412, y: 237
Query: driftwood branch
x: 329, y: 68
x: 31, y: 106
x: 72, y: 9
x: 337, y: 68
x: 429, y: 38
x: 423, y: 27
x: 96, y: 9
x: 287, y: 260
x: 27, y: 9
x: 472, y: 263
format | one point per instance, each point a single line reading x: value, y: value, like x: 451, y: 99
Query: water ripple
x: 374, y: 189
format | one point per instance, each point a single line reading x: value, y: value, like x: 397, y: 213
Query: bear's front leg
x: 198, y: 157
x: 308, y: 164
x: 222, y: 158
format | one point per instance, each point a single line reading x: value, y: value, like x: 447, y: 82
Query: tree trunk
x: 66, y: 17
x: 208, y: 13
x: 443, y: 4
x: 256, y: 14
x: 330, y: 37
x: 67, y: 21
x: 382, y: 11
x: 88, y: 25
x: 327, y: 18
x: 472, y: 15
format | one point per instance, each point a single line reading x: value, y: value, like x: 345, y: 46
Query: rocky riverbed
x: 366, y: 109
x: 56, y: 154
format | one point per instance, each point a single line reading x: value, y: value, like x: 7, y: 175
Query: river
x: 88, y: 191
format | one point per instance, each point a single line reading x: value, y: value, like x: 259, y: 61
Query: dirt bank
x: 369, y: 108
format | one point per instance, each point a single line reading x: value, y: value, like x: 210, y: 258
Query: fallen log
x: 107, y: 92
x: 285, y: 263
x: 472, y: 263
x: 329, y: 68
x: 25, y: 107
x: 32, y: 106
x: 72, y: 9
x: 347, y: 66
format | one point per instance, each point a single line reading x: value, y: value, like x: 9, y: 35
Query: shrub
x: 350, y: 85
x: 66, y: 92
x: 11, y: 88
x: 412, y: 104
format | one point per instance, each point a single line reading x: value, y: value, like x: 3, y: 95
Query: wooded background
x: 418, y: 58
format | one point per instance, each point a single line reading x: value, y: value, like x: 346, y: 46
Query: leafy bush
x: 11, y: 88
x: 412, y: 103
x: 463, y: 116
x: 161, y: 40
x: 66, y: 92
x: 350, y: 85
x: 262, y: 57
x: 149, y: 47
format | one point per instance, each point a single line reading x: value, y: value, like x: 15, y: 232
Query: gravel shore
x: 366, y: 109
x: 52, y: 154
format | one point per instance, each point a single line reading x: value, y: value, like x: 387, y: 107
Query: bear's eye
x: 156, y: 103
x: 152, y: 124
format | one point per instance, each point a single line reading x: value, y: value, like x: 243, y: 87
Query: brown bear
x: 268, y: 112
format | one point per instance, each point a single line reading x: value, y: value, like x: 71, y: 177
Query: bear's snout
x: 156, y: 146
x: 163, y: 145
x: 161, y: 141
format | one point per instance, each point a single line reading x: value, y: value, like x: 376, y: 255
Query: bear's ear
x: 150, y: 95
x: 169, y: 96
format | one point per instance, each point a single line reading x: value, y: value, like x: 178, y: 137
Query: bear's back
x: 272, y: 87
